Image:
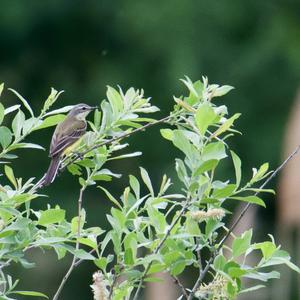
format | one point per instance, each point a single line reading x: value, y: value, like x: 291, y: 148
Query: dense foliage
x: 156, y: 231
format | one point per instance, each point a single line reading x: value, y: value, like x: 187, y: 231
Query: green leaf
x: 147, y: 181
x: 110, y: 197
x: 10, y: 175
x: 219, y: 262
x: 252, y: 289
x: 240, y: 245
x: 263, y: 276
x: 267, y: 249
x: 258, y: 175
x: 1, y: 111
x: 224, y: 192
x: 182, y: 143
x: 51, y: 121
x: 135, y: 185
x: 115, y: 100
x: 5, y: 136
x: 24, y: 101
x: 237, y: 167
x: 226, y: 125
x: 101, y: 263
x: 17, y: 123
x: 128, y: 257
x: 204, y: 117
x: 155, y: 268
x: 30, y: 293
x: 236, y: 272
x: 178, y: 268
x: 167, y: 134
x: 1, y: 88
x: 192, y: 227
x: 222, y: 90
x: 11, y: 109
x: 251, y: 199
x: 214, y: 151
x: 206, y: 166
x: 51, y: 216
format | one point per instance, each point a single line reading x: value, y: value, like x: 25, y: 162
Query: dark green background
x: 82, y: 46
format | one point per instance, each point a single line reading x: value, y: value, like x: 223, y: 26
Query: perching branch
x: 118, y: 138
x: 183, y: 290
x: 232, y: 227
x: 73, y: 264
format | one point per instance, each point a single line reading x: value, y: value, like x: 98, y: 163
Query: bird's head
x: 80, y: 111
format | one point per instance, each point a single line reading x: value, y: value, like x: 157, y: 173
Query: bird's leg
x: 78, y: 154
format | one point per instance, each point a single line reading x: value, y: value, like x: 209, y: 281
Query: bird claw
x: 79, y: 155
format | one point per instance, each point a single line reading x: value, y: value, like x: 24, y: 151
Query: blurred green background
x: 82, y: 46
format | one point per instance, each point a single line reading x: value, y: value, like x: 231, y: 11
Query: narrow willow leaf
x: 237, y: 167
x: 110, y: 197
x: 30, y: 293
x: 226, y: 125
x: 17, y: 123
x: 223, y: 90
x: 1, y: 113
x: 1, y: 88
x: 167, y: 134
x: 135, y: 185
x: 51, y: 121
x: 204, y: 117
x: 251, y: 199
x: 11, y: 109
x: 5, y: 136
x: 24, y: 101
x: 10, y: 175
x: 147, y: 181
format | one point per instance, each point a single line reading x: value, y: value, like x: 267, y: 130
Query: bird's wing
x: 65, y: 135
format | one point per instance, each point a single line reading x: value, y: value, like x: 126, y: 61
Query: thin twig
x: 72, y: 266
x: 183, y: 210
x: 232, y: 227
x: 183, y: 290
x: 110, y: 141
x: 198, y: 252
x: 112, y: 286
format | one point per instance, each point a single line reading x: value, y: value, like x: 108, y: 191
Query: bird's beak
x: 93, y: 107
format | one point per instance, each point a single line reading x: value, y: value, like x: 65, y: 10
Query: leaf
x: 10, y: 175
x: 241, y: 244
x: 17, y: 123
x: 219, y: 262
x: 223, y: 90
x: 51, y: 216
x: 178, y: 268
x: 267, y: 249
x: 251, y: 199
x: 206, y: 166
x: 62, y: 110
x: 258, y: 175
x: 226, y: 125
x: 133, y: 154
x: 5, y: 136
x: 1, y: 88
x: 30, y: 293
x: 1, y: 111
x: 263, y: 276
x: 167, y: 134
x: 51, y: 121
x: 237, y: 167
x: 24, y: 101
x: 115, y: 100
x: 204, y: 117
x: 135, y: 185
x: 214, y: 151
x: 224, y: 192
x: 110, y: 197
x: 252, y: 289
x: 147, y: 181
x: 11, y: 109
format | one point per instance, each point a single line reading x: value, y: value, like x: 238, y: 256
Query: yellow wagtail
x: 66, y: 137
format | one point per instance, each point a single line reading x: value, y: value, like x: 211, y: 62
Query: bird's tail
x: 52, y: 170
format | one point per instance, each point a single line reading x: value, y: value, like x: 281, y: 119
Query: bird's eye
x: 84, y: 108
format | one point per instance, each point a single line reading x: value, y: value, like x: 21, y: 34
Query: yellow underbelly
x: 72, y: 147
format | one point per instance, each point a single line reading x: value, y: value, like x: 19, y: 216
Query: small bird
x: 66, y: 138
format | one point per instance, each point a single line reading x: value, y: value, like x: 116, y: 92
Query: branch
x: 73, y: 264
x: 183, y: 210
x: 183, y: 290
x: 110, y: 141
x: 232, y: 227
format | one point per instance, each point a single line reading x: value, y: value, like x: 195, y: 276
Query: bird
x: 66, y: 137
